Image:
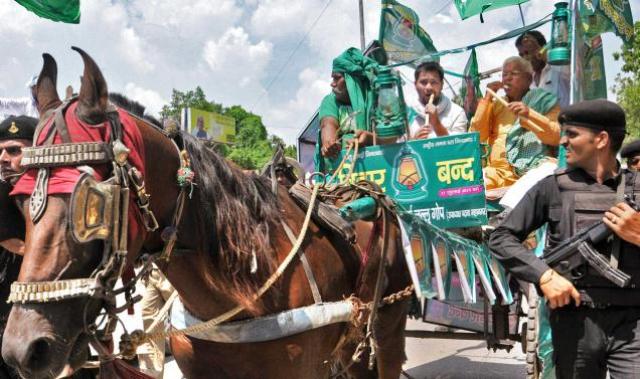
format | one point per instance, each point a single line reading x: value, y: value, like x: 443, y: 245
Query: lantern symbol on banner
x: 409, y: 181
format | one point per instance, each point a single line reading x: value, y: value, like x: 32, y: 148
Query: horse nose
x: 33, y: 357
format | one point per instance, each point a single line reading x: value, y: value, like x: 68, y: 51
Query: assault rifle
x: 579, y: 250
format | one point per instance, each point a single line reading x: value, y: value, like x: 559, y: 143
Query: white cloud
x: 234, y: 48
x: 149, y: 98
x: 277, y: 18
x: 285, y: 119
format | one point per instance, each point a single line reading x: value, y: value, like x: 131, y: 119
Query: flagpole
x: 521, y: 15
x: 361, y: 9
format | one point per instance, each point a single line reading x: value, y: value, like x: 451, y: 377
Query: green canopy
x: 468, y: 8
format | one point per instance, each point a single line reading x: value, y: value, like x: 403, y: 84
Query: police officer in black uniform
x: 631, y: 152
x: 16, y: 132
x: 595, y: 324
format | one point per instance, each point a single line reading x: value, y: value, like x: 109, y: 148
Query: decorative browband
x: 43, y: 292
x: 68, y: 154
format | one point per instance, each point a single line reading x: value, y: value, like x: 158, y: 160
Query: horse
x: 227, y: 242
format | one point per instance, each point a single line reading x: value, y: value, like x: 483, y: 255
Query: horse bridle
x: 97, y: 210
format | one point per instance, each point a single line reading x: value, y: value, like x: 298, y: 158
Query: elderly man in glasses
x: 521, y: 134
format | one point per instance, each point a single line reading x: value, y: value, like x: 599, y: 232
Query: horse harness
x: 98, y: 210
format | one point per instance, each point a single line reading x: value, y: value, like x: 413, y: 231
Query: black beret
x: 594, y: 114
x: 18, y: 127
x: 631, y: 149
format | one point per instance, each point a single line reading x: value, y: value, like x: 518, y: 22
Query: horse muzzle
x: 30, y: 346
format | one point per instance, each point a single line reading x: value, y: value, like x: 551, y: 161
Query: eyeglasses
x: 12, y: 151
x: 511, y: 73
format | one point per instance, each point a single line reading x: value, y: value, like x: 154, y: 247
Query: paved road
x: 459, y: 359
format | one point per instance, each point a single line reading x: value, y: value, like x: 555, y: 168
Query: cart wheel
x: 531, y: 335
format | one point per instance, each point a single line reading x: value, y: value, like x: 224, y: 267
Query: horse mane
x: 133, y: 107
x: 235, y: 214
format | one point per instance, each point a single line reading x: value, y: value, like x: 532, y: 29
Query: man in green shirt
x: 346, y: 109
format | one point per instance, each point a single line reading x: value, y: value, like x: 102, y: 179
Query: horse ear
x: 45, y: 91
x: 93, y: 97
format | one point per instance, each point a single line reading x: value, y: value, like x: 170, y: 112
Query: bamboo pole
x: 506, y: 104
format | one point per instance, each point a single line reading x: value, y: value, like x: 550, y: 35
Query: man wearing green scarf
x: 346, y: 109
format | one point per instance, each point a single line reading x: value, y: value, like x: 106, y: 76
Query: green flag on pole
x: 468, y: 8
x: 600, y: 16
x: 401, y: 35
x: 57, y: 10
x: 470, y: 91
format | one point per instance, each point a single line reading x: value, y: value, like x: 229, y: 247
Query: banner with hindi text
x: 438, y: 179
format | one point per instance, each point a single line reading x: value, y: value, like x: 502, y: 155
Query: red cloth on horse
x: 62, y: 180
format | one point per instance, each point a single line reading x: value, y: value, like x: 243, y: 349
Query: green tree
x: 627, y: 85
x: 190, y: 99
x: 253, y: 147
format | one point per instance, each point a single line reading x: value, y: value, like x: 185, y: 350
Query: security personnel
x: 15, y: 134
x: 595, y: 324
x: 631, y: 152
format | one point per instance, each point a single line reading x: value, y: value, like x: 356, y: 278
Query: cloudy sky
x: 273, y: 57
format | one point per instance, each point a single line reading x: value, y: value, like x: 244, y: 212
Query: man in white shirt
x: 554, y: 79
x: 440, y: 118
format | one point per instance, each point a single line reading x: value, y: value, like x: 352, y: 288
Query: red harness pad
x: 62, y: 180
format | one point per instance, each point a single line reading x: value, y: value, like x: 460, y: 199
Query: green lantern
x: 390, y: 116
x: 560, y: 51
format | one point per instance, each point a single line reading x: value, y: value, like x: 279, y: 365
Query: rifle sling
x: 615, y: 247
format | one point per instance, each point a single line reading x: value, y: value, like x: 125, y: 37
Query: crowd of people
x: 594, y: 322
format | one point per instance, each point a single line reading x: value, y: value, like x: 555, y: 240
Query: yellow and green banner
x: 208, y: 125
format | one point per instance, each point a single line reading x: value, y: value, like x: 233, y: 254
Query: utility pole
x: 361, y: 25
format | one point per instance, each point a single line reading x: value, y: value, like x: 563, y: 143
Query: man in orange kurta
x: 493, y: 121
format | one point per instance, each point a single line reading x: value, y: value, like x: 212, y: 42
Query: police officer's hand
x: 624, y: 221
x: 557, y: 290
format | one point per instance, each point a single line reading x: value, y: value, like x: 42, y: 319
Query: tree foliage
x: 253, y: 146
x: 627, y: 85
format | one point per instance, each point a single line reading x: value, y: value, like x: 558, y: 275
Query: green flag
x: 470, y: 91
x: 468, y: 8
x: 57, y: 10
x: 401, y: 35
x: 600, y: 16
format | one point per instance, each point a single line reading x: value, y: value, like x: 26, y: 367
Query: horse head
x: 47, y: 329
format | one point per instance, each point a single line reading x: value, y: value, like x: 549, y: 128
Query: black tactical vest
x: 584, y: 202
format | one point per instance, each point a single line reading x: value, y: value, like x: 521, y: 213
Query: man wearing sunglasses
x: 631, y: 152
x: 16, y: 133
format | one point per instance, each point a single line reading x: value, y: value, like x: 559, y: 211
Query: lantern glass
x: 560, y: 53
